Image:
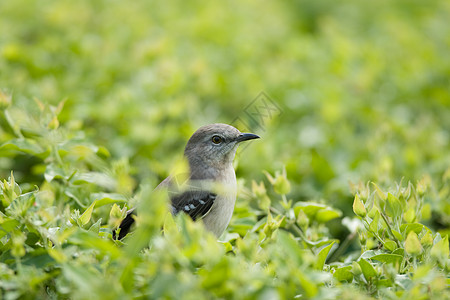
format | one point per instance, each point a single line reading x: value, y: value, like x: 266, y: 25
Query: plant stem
x: 389, y: 229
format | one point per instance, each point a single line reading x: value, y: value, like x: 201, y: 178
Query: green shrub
x: 98, y: 99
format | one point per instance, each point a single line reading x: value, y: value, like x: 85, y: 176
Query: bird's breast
x: 221, y: 212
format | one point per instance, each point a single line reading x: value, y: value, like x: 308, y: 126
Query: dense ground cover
x: 346, y: 194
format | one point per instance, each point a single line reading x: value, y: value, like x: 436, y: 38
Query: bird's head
x: 215, y: 145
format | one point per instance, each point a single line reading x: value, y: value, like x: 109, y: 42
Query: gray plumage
x: 210, y: 192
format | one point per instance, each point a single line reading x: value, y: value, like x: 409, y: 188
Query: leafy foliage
x: 96, y: 106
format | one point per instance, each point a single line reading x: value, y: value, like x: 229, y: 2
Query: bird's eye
x: 216, y: 139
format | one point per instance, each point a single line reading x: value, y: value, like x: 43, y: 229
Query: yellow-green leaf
x: 86, y: 216
x: 440, y: 250
x: 412, y: 244
x: 322, y: 256
x: 410, y: 215
x: 374, y: 224
x: 57, y: 255
x: 390, y: 245
x: 358, y: 207
x: 344, y: 274
x: 367, y: 269
x: 388, y: 258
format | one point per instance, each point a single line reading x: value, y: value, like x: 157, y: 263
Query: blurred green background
x: 363, y: 86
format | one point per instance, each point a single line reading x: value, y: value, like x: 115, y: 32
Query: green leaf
x: 127, y: 274
x: 103, y: 152
x: 399, y: 251
x: 57, y: 255
x: 403, y: 280
x: 422, y: 272
x: 38, y: 258
x: 21, y: 204
x: 410, y: 215
x: 367, y: 269
x: 321, y: 242
x: 169, y: 227
x: 302, y: 219
x: 290, y: 246
x: 374, y: 225
x: 384, y: 283
x: 322, y: 256
x: 356, y: 269
x: 412, y: 244
x: 107, y: 198
x: 25, y: 145
x: 344, y: 274
x: 309, y: 208
x: 116, y: 212
x: 32, y: 239
x: 18, y: 240
x: 316, y: 211
x: 7, y: 226
x: 358, y: 207
x: 397, y: 235
x: 97, y: 178
x: 310, y: 288
x: 80, y: 276
x: 280, y: 183
x: 379, y: 192
x: 407, y: 228
x: 96, y: 226
x: 9, y: 191
x: 370, y: 253
x: 393, y: 207
x: 440, y: 250
x: 388, y: 258
x: 54, y: 172
x: 86, y: 216
x: 90, y: 240
x: 327, y: 214
x: 282, y: 186
x: 390, y: 245
x: 427, y: 239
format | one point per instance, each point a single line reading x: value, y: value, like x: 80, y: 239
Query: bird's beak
x: 246, y: 136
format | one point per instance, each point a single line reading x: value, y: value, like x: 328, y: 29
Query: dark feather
x: 194, y: 203
x: 125, y: 225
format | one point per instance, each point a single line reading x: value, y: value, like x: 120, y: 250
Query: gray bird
x: 210, y: 191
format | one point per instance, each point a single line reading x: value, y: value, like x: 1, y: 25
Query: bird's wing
x: 195, y: 203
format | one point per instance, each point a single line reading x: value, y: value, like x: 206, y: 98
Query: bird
x: 209, y: 193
